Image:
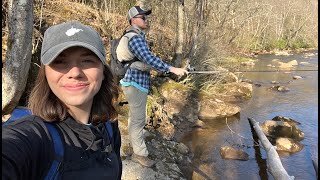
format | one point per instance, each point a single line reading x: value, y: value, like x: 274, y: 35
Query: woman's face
x: 75, y: 77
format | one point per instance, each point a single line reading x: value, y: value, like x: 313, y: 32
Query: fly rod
x: 215, y: 72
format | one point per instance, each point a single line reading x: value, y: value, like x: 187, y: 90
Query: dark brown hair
x: 45, y: 104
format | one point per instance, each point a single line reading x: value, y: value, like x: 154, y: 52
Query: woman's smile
x: 76, y: 87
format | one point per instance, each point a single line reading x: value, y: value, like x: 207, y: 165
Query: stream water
x: 300, y: 104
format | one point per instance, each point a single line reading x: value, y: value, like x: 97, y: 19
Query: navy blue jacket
x: 27, y: 150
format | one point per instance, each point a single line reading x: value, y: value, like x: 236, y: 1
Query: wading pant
x: 137, y: 101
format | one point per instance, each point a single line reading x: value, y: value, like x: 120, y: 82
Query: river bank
x: 199, y: 139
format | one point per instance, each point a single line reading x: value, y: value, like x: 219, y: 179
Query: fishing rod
x: 215, y: 72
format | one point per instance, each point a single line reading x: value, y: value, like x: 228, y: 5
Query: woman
x: 75, y: 92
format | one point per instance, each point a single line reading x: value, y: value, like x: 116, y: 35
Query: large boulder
x: 211, y: 109
x: 242, y: 90
x: 175, y: 92
x: 288, y: 145
x: 229, y: 78
x: 288, y: 65
x: 276, y: 129
x: 227, y: 152
x: 230, y: 92
x: 286, y: 119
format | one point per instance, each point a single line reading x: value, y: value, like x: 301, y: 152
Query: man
x: 136, y: 83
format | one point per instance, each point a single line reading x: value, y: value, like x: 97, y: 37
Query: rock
x: 279, y: 88
x: 192, y: 118
x: 248, y: 63
x: 309, y: 54
x: 167, y: 171
x: 282, y: 53
x: 246, y: 80
x: 126, y: 149
x: 156, y: 144
x: 297, y: 77
x: 304, y: 63
x: 293, y: 63
x: 242, y: 90
x: 232, y: 153
x: 229, y: 77
x: 199, y: 124
x: 283, y: 89
x: 176, y: 96
x: 287, y: 65
x: 286, y: 119
x: 134, y: 171
x: 167, y: 131
x: 288, y: 145
x: 276, y: 129
x: 210, y: 109
x: 274, y: 82
x: 183, y: 149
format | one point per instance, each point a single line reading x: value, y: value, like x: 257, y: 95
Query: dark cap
x: 137, y: 10
x: 62, y: 36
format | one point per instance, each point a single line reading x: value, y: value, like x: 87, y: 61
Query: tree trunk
x: 18, y: 55
x: 180, y: 34
x: 195, y: 29
x: 273, y: 160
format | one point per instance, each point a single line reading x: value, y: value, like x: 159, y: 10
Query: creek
x: 299, y: 103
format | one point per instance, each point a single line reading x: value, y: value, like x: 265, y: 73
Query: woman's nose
x: 75, y: 71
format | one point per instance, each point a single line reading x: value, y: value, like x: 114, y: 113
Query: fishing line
x: 214, y: 72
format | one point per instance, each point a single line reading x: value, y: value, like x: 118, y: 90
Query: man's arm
x: 138, y: 46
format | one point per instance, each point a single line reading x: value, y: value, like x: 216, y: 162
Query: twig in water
x: 239, y: 134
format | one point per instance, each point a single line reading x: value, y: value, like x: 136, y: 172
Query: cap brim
x: 146, y: 12
x: 53, y: 52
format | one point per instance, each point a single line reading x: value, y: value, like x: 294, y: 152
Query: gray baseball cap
x: 62, y: 36
x: 136, y: 10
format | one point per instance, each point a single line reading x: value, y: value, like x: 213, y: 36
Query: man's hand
x: 178, y: 71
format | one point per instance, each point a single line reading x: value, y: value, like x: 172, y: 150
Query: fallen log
x: 273, y: 160
x: 315, y: 165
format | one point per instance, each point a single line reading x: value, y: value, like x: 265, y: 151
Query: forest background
x: 202, y: 33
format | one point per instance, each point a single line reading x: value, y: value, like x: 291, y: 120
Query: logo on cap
x: 72, y: 31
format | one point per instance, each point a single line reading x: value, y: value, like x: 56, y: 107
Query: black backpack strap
x: 58, y: 149
x: 109, y: 147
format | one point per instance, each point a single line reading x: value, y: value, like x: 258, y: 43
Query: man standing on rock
x: 136, y: 83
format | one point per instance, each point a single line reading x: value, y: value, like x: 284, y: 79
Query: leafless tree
x: 18, y: 55
x: 180, y: 34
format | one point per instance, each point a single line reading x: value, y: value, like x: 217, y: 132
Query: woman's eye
x: 88, y: 61
x: 58, y: 61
